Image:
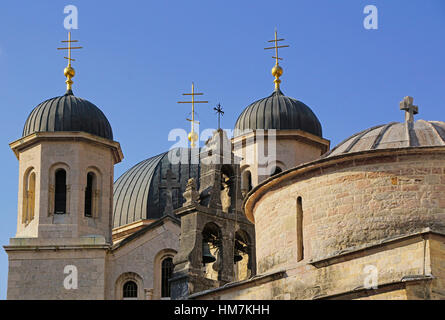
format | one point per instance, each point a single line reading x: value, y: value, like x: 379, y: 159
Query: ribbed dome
x: 395, y: 135
x: 140, y: 193
x: 68, y: 113
x: 278, y: 112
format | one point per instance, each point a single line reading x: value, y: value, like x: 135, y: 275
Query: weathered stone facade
x: 213, y: 217
x: 380, y: 211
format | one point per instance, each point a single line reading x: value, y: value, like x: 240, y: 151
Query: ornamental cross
x: 220, y: 113
x: 410, y: 110
x: 69, y: 48
x: 193, y: 136
x: 276, y: 47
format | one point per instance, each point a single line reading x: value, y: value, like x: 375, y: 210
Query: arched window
x: 60, y: 192
x: 167, y: 271
x: 89, y: 194
x: 29, y: 197
x: 300, y: 248
x: 130, y: 290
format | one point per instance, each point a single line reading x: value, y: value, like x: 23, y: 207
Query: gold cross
x: 69, y: 48
x: 69, y: 71
x: 276, y: 47
x: 192, y: 135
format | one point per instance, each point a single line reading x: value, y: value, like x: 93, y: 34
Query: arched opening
x: 130, y: 290
x: 29, y: 190
x: 166, y: 274
x: 162, y: 272
x: 60, y: 192
x: 300, y: 248
x: 212, y: 251
x: 242, y: 256
x: 227, y: 188
x: 89, y: 197
x: 246, y: 182
x: 276, y: 170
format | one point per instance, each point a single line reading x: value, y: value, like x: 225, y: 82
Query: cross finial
x: 69, y: 71
x: 192, y: 135
x: 277, y: 71
x: 220, y: 113
x: 410, y: 110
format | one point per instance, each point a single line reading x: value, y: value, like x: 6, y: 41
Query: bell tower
x: 217, y: 243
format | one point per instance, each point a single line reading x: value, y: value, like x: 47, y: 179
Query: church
x: 271, y: 213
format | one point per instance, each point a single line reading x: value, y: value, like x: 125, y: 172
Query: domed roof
x: 68, y: 113
x: 141, y: 192
x: 395, y: 135
x: 279, y: 112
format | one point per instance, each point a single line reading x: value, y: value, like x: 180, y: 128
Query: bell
x: 237, y: 257
x: 207, y: 257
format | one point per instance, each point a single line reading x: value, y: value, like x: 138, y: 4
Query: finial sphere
x: 192, y: 136
x: 277, y: 71
x: 69, y: 72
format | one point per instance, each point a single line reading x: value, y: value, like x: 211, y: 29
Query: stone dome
x: 141, y: 193
x: 68, y: 113
x: 393, y: 135
x: 279, y: 112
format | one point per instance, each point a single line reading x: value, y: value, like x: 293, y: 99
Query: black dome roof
x: 68, y: 113
x: 140, y: 192
x: 279, y: 112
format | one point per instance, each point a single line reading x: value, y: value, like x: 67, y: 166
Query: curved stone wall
x: 349, y: 202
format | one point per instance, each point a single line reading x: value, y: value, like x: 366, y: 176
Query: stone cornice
x: 384, y: 287
x: 284, y: 134
x: 145, y: 229
x: 347, y: 254
x: 255, y: 281
x: 38, y: 137
x: 55, y: 247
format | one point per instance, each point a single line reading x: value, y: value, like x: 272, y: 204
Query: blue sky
x: 140, y: 56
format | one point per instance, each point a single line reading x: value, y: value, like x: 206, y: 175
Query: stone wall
x: 39, y: 274
x: 78, y: 154
x: 292, y: 147
x: 406, y: 268
x: 349, y: 205
x: 142, y: 256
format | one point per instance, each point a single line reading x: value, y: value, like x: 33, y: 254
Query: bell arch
x: 243, y: 248
x: 212, y: 251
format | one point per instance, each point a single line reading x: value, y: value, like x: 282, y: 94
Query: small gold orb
x: 192, y: 136
x: 277, y: 71
x: 68, y: 71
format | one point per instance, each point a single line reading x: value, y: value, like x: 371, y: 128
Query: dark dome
x: 278, y: 112
x: 393, y: 135
x: 140, y: 192
x: 68, y: 113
